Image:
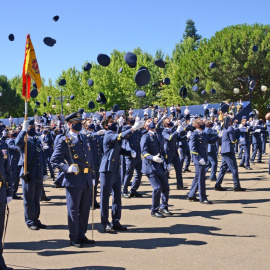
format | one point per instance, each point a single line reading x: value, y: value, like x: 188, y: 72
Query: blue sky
x: 87, y: 28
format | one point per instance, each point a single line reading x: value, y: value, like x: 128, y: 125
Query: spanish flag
x: 30, y: 69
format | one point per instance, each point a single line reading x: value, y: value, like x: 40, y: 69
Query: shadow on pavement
x: 17, y: 267
x: 243, y: 201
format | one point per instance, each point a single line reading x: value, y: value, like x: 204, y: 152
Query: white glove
x: 164, y: 116
x: 133, y: 153
x: 72, y: 169
x: 46, y: 147
x: 137, y: 119
x: 189, y: 134
x: 138, y: 125
x: 257, y: 130
x: 220, y: 133
x: 178, y: 129
x: 93, y: 182
x: 44, y: 178
x: 9, y: 199
x: 157, y: 158
x: 120, y: 121
x: 25, y: 125
x: 101, y: 132
x: 202, y: 161
x: 169, y: 167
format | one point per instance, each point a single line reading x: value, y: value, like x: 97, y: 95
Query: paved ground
x: 233, y: 233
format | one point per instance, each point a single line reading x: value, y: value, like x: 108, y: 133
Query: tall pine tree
x: 191, y: 31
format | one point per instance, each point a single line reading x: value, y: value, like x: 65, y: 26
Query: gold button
x: 112, y: 159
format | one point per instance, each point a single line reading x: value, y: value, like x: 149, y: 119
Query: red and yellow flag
x: 30, y: 69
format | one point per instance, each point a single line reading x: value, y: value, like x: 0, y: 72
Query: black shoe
x: 181, y: 187
x: 108, y: 228
x: 85, y: 240
x: 33, y: 227
x: 135, y: 194
x: 260, y: 162
x: 15, y: 197
x: 248, y: 168
x: 76, y: 244
x: 42, y: 226
x: 220, y: 188
x: 165, y: 212
x: 157, y: 215
x: 97, y: 205
x: 186, y: 170
x: 206, y: 202
x: 213, y: 179
x: 57, y: 185
x: 119, y: 227
x: 125, y: 195
x: 46, y: 199
x: 239, y: 189
x: 242, y: 165
x: 193, y: 199
x: 5, y: 268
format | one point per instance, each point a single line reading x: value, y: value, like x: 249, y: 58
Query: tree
x: 191, y: 31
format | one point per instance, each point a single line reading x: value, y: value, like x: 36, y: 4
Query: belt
x: 84, y: 170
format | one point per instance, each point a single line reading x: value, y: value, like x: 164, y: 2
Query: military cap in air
x: 11, y: 37
x: 212, y: 65
x: 101, y: 98
x: 195, y: 88
x: 56, y: 18
x: 116, y: 108
x: 142, y: 77
x: 81, y: 111
x: 170, y: 124
x: 90, y: 82
x: 87, y: 67
x: 34, y: 93
x: 73, y: 117
x: 49, y: 99
x: 103, y: 59
x: 252, y: 114
x: 167, y: 81
x: 131, y: 59
x: 91, y: 104
x: 213, y: 91
x: 34, y: 84
x: 224, y: 108
x: 44, y: 104
x: 254, y: 48
x: 196, y: 80
x: 203, y: 92
x: 140, y: 94
x: 260, y: 122
x: 62, y: 82
x: 183, y: 92
x: 160, y: 63
x: 71, y: 97
x: 49, y: 41
x: 35, y: 110
x: 37, y: 103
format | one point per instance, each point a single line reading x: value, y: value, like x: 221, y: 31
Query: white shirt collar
x: 199, y: 131
x: 73, y: 134
x: 151, y: 132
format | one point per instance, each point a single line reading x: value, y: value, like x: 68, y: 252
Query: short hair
x: 196, y: 122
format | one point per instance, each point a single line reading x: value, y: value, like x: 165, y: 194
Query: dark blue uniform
x: 212, y: 161
x: 131, y: 164
x: 36, y: 166
x: 228, y: 157
x: 78, y: 186
x: 198, y: 143
x: 245, y: 144
x: 152, y: 145
x: 14, y: 157
x: 110, y: 180
x: 5, y: 191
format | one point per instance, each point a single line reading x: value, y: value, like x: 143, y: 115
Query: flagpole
x: 25, y: 119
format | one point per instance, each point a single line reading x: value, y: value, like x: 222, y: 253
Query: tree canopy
x: 231, y: 50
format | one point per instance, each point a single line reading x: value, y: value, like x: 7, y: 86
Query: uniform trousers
x: 178, y: 170
x: 257, y: 147
x: 228, y: 162
x: 131, y: 165
x: 3, y: 203
x: 198, y: 183
x: 160, y: 187
x: 31, y: 201
x: 78, y: 208
x: 185, y: 156
x: 110, y: 183
x: 212, y: 163
x: 246, y: 156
